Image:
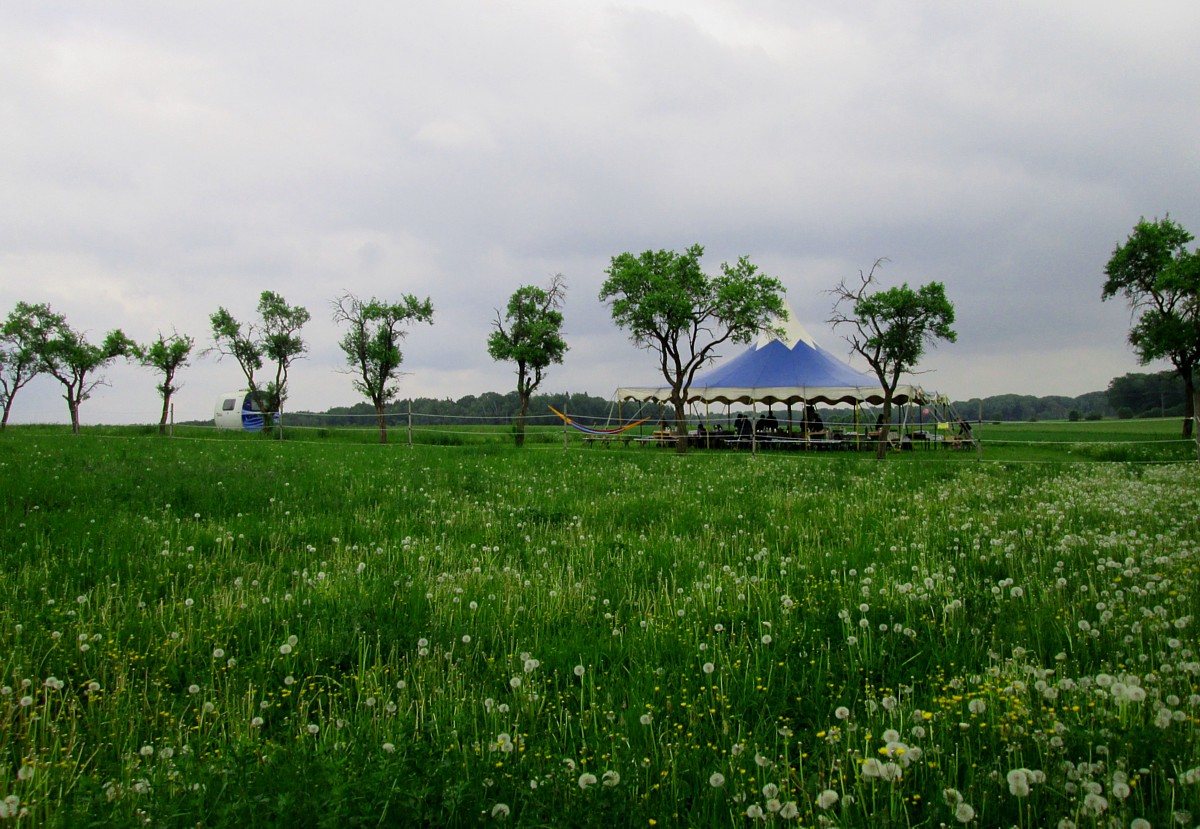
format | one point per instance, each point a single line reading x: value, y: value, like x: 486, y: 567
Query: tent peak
x: 793, y: 332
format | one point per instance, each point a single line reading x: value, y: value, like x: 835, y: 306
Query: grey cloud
x: 161, y: 161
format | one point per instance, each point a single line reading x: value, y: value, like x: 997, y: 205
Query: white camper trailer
x: 237, y: 410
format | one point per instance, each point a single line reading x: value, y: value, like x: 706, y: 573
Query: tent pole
x: 753, y: 432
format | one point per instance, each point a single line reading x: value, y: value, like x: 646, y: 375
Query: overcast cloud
x: 162, y: 159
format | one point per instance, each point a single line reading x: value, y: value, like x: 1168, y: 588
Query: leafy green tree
x: 530, y: 335
x: 268, y: 346
x: 1160, y: 278
x: 166, y: 355
x: 671, y: 307
x: 372, y: 344
x: 23, y: 336
x: 68, y: 357
x: 890, y: 330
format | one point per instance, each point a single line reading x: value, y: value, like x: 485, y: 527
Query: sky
x: 160, y: 160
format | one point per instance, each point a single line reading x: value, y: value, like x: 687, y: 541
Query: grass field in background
x: 1106, y: 440
x: 223, y: 630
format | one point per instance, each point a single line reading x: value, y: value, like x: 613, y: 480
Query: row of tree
x: 36, y: 340
x: 663, y: 299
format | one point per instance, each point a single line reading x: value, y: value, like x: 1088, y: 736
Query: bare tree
x: 890, y: 330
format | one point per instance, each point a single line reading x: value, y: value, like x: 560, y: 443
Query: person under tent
x: 812, y: 421
x: 768, y: 424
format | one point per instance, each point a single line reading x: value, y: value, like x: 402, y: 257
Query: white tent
x: 772, y: 370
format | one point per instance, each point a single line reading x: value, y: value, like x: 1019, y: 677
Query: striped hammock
x: 588, y: 430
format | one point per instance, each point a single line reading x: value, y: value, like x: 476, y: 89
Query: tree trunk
x: 162, y: 422
x: 4, y: 417
x: 681, y: 438
x: 381, y: 419
x: 1195, y: 399
x: 881, y: 448
x: 1189, y: 406
x: 73, y: 405
x: 520, y: 437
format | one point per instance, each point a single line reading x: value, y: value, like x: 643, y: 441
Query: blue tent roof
x: 775, y: 370
x: 774, y: 365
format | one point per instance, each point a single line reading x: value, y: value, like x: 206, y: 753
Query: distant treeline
x: 1160, y: 394
x: 487, y: 409
x: 1133, y: 395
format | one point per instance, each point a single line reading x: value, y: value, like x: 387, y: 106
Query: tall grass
x: 248, y: 632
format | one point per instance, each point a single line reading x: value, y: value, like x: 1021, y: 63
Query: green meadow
x: 223, y: 630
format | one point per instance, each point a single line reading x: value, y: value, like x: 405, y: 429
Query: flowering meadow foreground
x: 219, y: 633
